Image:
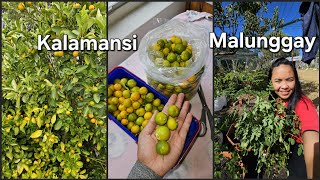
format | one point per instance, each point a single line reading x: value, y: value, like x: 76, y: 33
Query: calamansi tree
x: 53, y: 103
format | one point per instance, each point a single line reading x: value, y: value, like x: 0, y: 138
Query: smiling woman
x: 287, y: 88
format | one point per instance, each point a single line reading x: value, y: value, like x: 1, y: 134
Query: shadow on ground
x: 309, y: 87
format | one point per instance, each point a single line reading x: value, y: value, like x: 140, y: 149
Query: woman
x: 151, y: 165
x: 287, y: 88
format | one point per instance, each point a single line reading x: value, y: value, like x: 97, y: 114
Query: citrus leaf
x: 36, y: 134
x: 48, y: 82
x: 86, y: 59
x: 11, y: 95
x: 83, y: 171
x: 53, y: 119
x: 16, y: 131
x: 96, y: 97
x: 81, y: 69
x: 53, y: 93
x: 25, y: 98
x: 9, y: 155
x: 86, y: 153
x: 14, y: 84
x: 58, y: 125
x: 74, y: 80
x: 79, y: 164
x: 39, y: 122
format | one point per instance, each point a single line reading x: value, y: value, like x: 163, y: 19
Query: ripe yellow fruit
x: 95, y: 89
x: 91, y: 103
x: 76, y: 6
x: 8, y: 130
x: 93, y: 120
x: 135, y: 129
x: 124, y: 122
x: 21, y: 6
x: 45, y: 107
x: 27, y: 118
x: 58, y: 54
x: 60, y: 86
x: 75, y: 53
x: 91, y: 7
x: 29, y: 3
x: 68, y: 112
x: 147, y: 115
x: 90, y: 116
x: 79, y: 144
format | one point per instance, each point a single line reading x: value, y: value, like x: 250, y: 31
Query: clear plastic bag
x: 168, y: 79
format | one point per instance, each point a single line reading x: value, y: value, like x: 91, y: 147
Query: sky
x: 289, y: 11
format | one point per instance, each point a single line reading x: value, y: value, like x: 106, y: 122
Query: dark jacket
x: 310, y: 12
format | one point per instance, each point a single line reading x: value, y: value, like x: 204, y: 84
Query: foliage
x: 48, y: 96
x: 265, y: 129
x: 268, y: 56
x: 225, y: 167
x: 234, y: 83
x: 229, y: 18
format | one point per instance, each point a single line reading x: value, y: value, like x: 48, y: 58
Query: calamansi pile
x: 173, y: 52
x: 133, y: 106
x: 166, y: 124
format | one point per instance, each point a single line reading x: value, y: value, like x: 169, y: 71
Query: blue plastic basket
x: 120, y: 72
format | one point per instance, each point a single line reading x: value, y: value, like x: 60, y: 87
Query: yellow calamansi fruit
x: 79, y: 144
x: 91, y: 103
x: 75, y: 53
x: 58, y: 54
x: 21, y: 6
x: 68, y: 112
x: 93, y: 120
x: 27, y: 119
x: 91, y: 7
x: 29, y: 3
x: 90, y: 116
x: 8, y: 130
x: 76, y: 6
x: 60, y: 86
x: 95, y: 89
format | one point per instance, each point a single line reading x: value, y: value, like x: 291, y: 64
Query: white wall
x: 138, y: 19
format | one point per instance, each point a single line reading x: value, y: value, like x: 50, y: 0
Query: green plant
x: 225, y: 167
x: 46, y: 132
x: 267, y: 130
x: 234, y: 83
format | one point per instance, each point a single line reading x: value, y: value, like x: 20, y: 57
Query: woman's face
x: 283, y: 81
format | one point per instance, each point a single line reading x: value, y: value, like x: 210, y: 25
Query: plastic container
x: 121, y: 72
x: 174, y: 78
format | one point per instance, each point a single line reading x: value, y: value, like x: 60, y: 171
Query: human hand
x: 147, y: 140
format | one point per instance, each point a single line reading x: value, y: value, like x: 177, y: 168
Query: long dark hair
x: 297, y: 93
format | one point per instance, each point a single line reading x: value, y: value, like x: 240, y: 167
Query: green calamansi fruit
x: 163, y: 147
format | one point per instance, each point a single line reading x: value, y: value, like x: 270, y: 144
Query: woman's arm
x: 311, y: 153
